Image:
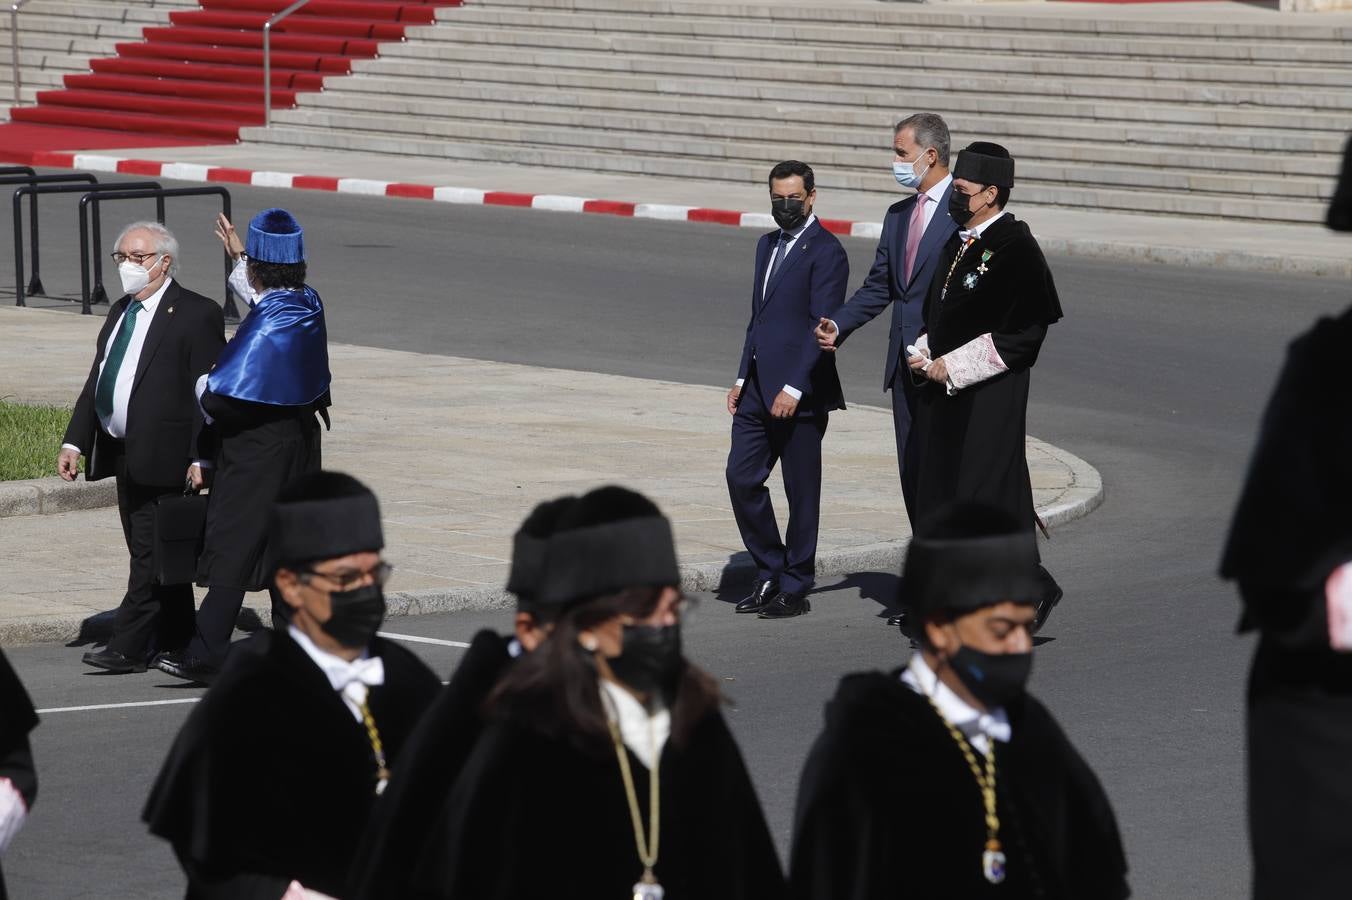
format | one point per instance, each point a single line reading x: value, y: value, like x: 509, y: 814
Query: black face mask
x: 788, y: 212
x: 650, y: 658
x: 355, y: 615
x: 996, y: 679
x: 958, y: 204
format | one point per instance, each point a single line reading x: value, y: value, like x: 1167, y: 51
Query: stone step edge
x: 1085, y: 494
x: 1260, y: 261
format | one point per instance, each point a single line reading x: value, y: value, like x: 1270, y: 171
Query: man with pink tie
x: 914, y: 233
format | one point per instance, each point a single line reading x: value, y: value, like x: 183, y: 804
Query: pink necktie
x: 914, y: 232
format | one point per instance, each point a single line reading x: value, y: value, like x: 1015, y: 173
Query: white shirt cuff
x: 13, y: 812
x: 72, y: 447
x: 202, y: 463
x: 793, y: 392
x: 199, y: 391
x: 1338, y: 596
x: 740, y: 381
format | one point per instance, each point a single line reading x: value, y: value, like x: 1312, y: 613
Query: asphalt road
x: 1156, y: 376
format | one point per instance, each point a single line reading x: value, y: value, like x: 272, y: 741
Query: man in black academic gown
x: 1290, y: 550
x: 946, y: 780
x: 18, y: 778
x: 272, y: 778
x: 400, y: 826
x: 986, y: 316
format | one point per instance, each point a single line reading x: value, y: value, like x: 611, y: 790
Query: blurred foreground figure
x: 268, y: 786
x: 1290, y: 550
x: 398, y: 834
x: 946, y: 779
x: 608, y: 771
x: 18, y: 778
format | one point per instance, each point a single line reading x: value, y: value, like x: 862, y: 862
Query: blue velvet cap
x: 275, y: 237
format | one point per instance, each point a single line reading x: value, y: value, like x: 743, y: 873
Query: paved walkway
x: 459, y: 451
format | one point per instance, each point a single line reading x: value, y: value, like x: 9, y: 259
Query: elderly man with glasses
x: 137, y: 420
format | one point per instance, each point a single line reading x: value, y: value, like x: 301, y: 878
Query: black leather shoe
x: 897, y: 621
x: 786, y: 606
x: 112, y: 661
x: 180, y: 665
x: 759, y: 598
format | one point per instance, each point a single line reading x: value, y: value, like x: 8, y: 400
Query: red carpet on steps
x: 200, y: 79
x: 23, y: 144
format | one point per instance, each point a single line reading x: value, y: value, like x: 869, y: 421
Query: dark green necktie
x: 103, y: 396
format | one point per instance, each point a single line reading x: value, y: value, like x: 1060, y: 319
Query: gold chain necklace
x: 993, y: 859
x: 647, y: 888
x: 961, y: 250
x: 378, y: 748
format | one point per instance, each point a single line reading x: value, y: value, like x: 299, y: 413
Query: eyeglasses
x: 346, y: 581
x: 138, y: 258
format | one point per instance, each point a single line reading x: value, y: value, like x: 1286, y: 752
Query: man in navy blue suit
x: 786, y: 387
x: 914, y: 233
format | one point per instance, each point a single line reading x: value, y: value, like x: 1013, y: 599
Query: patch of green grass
x: 30, y: 439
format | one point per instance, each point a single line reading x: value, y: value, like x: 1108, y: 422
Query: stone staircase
x: 198, y: 75
x: 1238, y: 119
x: 59, y: 37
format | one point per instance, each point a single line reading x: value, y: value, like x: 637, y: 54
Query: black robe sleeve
x: 17, y: 720
x: 1291, y: 528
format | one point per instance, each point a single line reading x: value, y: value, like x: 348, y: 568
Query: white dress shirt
x: 965, y: 233
x: 116, y: 424
x: 980, y: 728
x: 787, y: 248
x: 936, y: 195
x: 350, y: 679
x: 643, y: 732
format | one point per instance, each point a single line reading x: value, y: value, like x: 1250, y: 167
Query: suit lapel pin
x: 170, y: 311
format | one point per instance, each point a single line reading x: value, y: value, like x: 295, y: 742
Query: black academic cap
x: 610, y: 539
x: 969, y: 555
x: 985, y: 163
x: 528, y: 549
x: 323, y: 515
x: 1340, y: 208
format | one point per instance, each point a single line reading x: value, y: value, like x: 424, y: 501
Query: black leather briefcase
x: 180, y: 523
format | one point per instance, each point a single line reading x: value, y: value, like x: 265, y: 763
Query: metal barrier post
x: 14, y: 8
x: 100, y: 296
x: 128, y: 192
x: 31, y: 180
x: 33, y: 190
x: 267, y: 58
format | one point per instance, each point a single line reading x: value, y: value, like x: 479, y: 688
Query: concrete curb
x: 1247, y: 260
x: 39, y: 496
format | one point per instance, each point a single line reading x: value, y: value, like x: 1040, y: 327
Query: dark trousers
x: 903, y: 415
x: 216, y: 622
x: 152, y: 616
x: 759, y: 442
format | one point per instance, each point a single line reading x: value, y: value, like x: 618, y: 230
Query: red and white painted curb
x: 93, y: 162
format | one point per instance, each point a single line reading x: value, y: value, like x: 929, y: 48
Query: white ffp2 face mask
x: 134, y: 277
x: 239, y: 282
